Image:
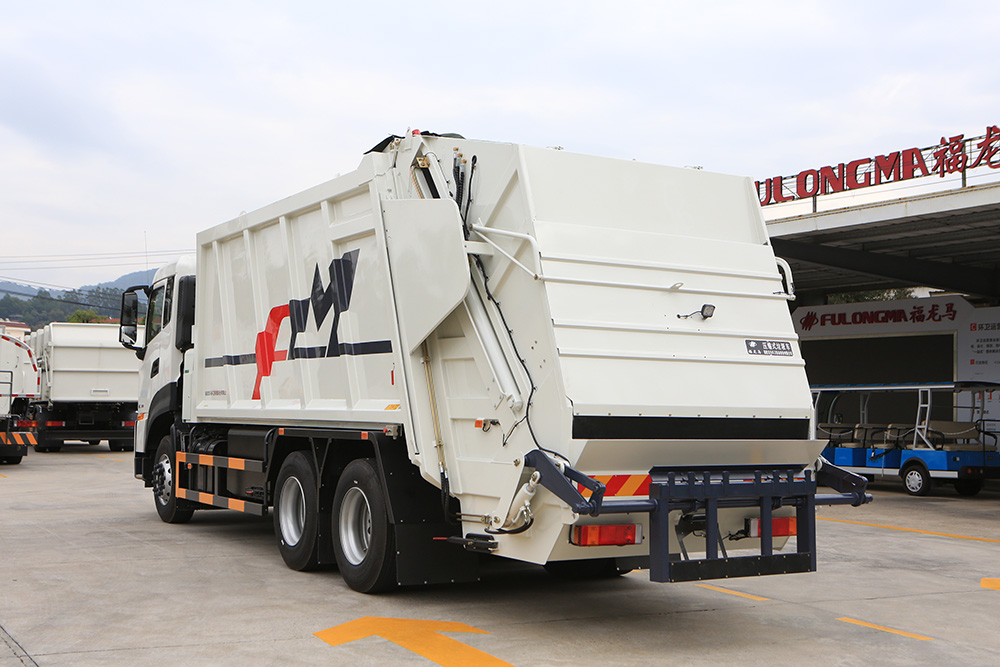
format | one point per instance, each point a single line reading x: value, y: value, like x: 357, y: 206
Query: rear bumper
x: 699, y: 494
x: 15, y: 443
x: 79, y: 433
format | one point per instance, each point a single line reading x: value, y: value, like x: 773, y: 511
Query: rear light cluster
x: 27, y: 423
x: 131, y: 423
x: 781, y: 526
x: 606, y: 535
x: 55, y: 423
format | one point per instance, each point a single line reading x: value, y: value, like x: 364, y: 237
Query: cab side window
x: 159, y: 308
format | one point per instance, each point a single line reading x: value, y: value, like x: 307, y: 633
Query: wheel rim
x: 914, y: 481
x: 355, y: 526
x: 164, y: 487
x: 292, y: 511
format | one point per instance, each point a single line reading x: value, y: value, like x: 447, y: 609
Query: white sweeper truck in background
x: 19, y: 385
x: 89, y: 387
x: 466, y: 348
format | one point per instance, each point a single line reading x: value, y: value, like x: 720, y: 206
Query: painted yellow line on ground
x: 990, y: 583
x: 4, y: 476
x: 885, y: 629
x: 911, y: 530
x: 118, y: 460
x: 742, y: 595
x: 419, y: 636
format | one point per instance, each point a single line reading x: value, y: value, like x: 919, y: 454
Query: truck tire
x: 916, y: 480
x: 93, y: 443
x: 296, y: 512
x: 167, y: 504
x: 968, y: 487
x: 363, y: 542
x: 48, y: 445
x: 10, y: 460
x: 120, y: 445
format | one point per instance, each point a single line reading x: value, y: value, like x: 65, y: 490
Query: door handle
x: 155, y: 368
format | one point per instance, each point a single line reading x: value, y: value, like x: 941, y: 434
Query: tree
x: 870, y: 295
x: 85, y: 316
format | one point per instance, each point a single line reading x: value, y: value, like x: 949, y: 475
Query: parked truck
x: 466, y: 348
x: 89, y: 387
x: 19, y: 384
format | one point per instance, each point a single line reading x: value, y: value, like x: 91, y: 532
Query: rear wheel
x: 46, y: 445
x: 120, y: 445
x: 968, y: 487
x: 296, y: 512
x: 10, y: 460
x: 364, y: 542
x: 164, y: 468
x: 917, y: 480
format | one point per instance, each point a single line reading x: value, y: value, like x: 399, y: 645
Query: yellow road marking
x: 990, y: 583
x: 742, y: 595
x: 885, y: 629
x: 911, y: 530
x: 421, y: 637
x: 118, y: 460
x: 4, y: 476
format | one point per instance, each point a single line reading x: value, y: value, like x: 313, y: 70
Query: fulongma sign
x: 952, y: 155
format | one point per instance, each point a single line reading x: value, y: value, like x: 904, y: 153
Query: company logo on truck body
x: 335, y: 298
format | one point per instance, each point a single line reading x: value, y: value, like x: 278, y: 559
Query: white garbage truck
x: 19, y: 385
x: 466, y: 348
x: 89, y: 387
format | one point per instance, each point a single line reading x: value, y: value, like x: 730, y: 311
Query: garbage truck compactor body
x: 466, y: 347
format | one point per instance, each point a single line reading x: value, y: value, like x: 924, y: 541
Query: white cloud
x: 122, y: 120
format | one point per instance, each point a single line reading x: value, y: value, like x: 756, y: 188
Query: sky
x: 127, y: 127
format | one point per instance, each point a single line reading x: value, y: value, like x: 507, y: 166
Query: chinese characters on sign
x: 934, y: 312
x: 952, y: 155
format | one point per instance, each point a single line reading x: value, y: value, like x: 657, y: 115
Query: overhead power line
x: 52, y: 298
x: 67, y: 266
x: 101, y: 255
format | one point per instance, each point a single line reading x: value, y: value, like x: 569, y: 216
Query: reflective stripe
x: 622, y: 485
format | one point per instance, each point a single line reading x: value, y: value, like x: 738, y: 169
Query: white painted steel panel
x: 18, y: 373
x: 85, y: 363
x: 295, y: 313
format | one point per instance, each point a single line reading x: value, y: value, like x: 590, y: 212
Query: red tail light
x: 781, y: 526
x: 128, y: 423
x: 598, y: 536
x: 55, y: 423
x: 26, y: 423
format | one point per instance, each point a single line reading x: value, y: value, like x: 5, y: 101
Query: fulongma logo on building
x: 326, y: 303
x: 918, y: 313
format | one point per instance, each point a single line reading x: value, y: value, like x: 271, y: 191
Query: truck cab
x: 160, y: 344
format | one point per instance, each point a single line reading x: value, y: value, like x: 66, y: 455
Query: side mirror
x: 185, y: 313
x: 128, y: 329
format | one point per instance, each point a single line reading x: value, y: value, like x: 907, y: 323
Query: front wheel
x: 917, y: 481
x: 10, y: 460
x: 364, y: 542
x: 296, y: 512
x: 164, y: 468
